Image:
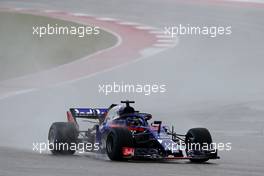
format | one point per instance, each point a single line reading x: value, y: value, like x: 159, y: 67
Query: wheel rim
x: 52, y: 137
x: 109, y: 144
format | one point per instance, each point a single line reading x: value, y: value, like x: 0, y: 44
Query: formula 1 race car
x: 123, y: 133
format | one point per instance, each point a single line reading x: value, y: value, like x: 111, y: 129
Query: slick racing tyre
x: 116, y: 140
x: 198, y: 136
x: 62, y: 136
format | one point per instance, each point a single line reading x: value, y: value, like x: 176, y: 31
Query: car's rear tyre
x: 62, y: 136
x: 200, y: 136
x: 116, y: 140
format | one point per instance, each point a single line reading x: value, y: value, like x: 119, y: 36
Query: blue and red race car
x: 123, y: 133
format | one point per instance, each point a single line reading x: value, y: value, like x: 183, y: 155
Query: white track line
x: 79, y: 14
x: 247, y: 1
x: 166, y: 41
x: 19, y: 9
x: 18, y: 92
x: 106, y: 19
x: 129, y: 23
x: 50, y: 11
x: 157, y: 32
x: 164, y: 36
x: 145, y: 28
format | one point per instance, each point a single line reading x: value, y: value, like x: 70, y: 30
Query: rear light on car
x: 128, y: 151
x: 136, y: 129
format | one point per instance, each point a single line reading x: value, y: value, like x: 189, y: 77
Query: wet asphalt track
x: 216, y: 83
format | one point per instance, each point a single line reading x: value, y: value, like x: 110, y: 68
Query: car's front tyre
x: 116, y: 140
x: 198, y: 137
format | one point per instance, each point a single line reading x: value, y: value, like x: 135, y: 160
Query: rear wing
x: 88, y: 113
